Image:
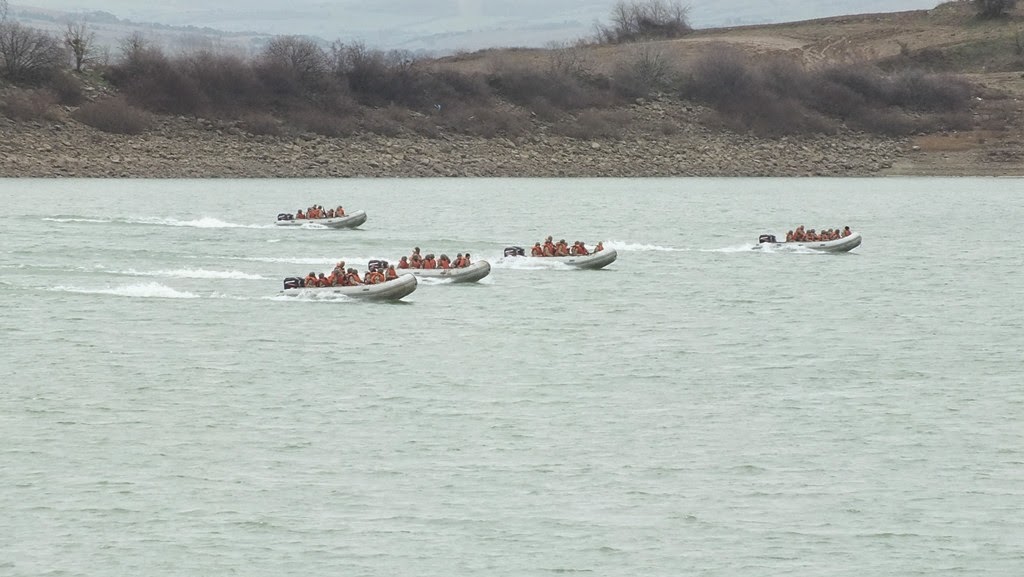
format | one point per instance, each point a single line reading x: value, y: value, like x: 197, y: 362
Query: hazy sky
x: 448, y: 24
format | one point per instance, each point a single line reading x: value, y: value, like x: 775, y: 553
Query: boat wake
x: 194, y: 273
x: 636, y: 247
x: 204, y: 222
x: 143, y: 290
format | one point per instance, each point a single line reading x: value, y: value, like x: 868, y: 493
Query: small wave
x: 144, y: 290
x: 294, y: 260
x: 637, y: 247
x: 195, y: 273
x: 76, y: 219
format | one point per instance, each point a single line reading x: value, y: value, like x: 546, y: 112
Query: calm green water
x: 698, y: 408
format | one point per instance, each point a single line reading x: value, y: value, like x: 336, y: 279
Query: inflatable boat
x: 391, y: 290
x: 844, y: 244
x: 471, y: 273
x: 348, y: 221
x: 592, y: 261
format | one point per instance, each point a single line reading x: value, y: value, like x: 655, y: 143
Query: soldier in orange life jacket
x: 846, y: 231
x: 310, y: 280
x: 392, y: 274
x: 458, y: 261
x: 374, y: 277
x: 322, y: 281
x: 599, y: 247
x: 299, y: 214
x: 429, y: 262
x: 340, y: 211
x: 444, y: 262
x: 562, y: 248
x: 536, y: 250
x: 352, y: 278
x: 465, y: 260
x: 404, y: 262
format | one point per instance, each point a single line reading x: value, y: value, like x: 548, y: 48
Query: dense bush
x: 994, y: 8
x: 114, y: 115
x: 780, y: 97
x: 33, y: 104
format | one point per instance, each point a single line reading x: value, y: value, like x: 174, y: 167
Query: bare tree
x: 298, y: 54
x: 28, y: 54
x: 80, y: 40
x: 133, y: 47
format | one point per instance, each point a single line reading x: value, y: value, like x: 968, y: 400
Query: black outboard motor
x: 515, y: 251
x: 766, y: 238
x: 378, y: 265
x: 285, y: 216
x: 294, y: 282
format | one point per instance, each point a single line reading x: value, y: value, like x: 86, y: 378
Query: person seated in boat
x: 310, y: 280
x: 599, y: 247
x: 321, y: 281
x: 300, y: 214
x: 458, y: 261
x: 549, y: 247
x: 352, y: 278
x: 562, y: 248
x: 403, y: 262
x: 444, y: 262
x: 846, y: 231
x: 392, y: 274
x: 429, y: 262
x: 789, y: 236
x: 330, y: 213
x: 536, y: 250
x: 374, y: 277
x: 465, y: 261
x: 582, y: 249
x: 799, y: 234
x: 339, y: 212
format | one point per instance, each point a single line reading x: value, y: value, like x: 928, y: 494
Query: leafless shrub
x: 488, y: 121
x: 262, y: 124
x: 114, y: 115
x: 67, y: 88
x: 320, y: 122
x: 646, y: 72
x: 33, y: 104
x: 595, y: 124
x: 651, y: 19
x: 527, y: 86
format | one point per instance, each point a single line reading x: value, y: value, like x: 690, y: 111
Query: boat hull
x: 592, y: 261
x: 392, y: 290
x: 844, y: 244
x: 348, y: 221
x: 471, y: 273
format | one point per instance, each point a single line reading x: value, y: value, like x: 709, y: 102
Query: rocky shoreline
x: 179, y: 147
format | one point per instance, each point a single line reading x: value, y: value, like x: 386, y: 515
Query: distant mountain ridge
x: 437, y: 26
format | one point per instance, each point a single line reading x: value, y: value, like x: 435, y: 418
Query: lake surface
x: 697, y: 408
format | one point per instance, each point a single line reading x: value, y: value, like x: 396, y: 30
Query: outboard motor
x: 285, y: 216
x: 294, y: 282
x: 378, y: 265
x: 766, y: 238
x: 515, y: 251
